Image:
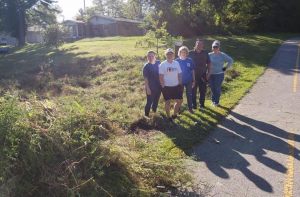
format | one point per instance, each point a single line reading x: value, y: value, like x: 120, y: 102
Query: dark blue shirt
x: 150, y: 71
x: 187, y: 66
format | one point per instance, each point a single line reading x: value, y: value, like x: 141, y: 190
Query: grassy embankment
x: 70, y: 117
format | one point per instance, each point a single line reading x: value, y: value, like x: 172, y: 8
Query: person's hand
x: 207, y: 77
x: 193, y: 84
x: 224, y: 68
x: 148, y: 91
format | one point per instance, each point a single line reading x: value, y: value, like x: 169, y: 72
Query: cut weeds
x: 72, y: 126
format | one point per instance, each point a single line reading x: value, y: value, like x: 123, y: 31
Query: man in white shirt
x: 170, y: 76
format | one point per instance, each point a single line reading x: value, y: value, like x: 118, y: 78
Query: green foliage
x: 14, y: 14
x: 54, y: 35
x: 194, y: 17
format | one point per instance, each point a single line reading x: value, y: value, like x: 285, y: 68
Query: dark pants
x: 215, y: 82
x: 189, y: 94
x: 202, y: 85
x: 152, y: 101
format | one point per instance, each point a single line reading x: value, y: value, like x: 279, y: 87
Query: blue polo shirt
x: 187, y: 66
x: 151, y: 72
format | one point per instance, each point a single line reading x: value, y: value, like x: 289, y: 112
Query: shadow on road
x: 243, y: 135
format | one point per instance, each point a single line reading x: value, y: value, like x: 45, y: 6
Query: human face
x: 216, y: 49
x: 183, y: 54
x: 199, y: 45
x: 151, y: 58
x: 170, y: 57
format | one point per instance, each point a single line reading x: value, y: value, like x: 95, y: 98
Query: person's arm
x: 161, y: 80
x: 194, y: 80
x: 193, y: 73
x: 228, y: 60
x: 209, y: 65
x: 180, y: 78
x: 179, y: 74
x: 161, y: 76
x: 146, y: 75
x: 147, y: 87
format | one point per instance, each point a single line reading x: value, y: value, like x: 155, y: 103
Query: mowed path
x: 259, y: 150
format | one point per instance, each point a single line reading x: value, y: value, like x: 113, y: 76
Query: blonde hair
x: 183, y: 48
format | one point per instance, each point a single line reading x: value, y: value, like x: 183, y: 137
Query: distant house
x: 109, y: 26
x: 75, y: 29
x: 34, y: 34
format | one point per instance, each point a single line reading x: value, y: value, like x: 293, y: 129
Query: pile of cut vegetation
x: 49, y: 150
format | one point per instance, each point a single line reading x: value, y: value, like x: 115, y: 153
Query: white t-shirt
x: 170, y: 72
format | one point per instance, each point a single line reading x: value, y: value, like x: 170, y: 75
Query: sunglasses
x: 215, y: 47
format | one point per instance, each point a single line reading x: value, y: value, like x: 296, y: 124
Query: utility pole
x: 84, y: 5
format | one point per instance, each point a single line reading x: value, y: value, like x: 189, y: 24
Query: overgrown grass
x: 79, y: 108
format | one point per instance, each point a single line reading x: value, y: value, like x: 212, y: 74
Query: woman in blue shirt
x: 219, y: 63
x: 152, y: 84
x: 188, y: 74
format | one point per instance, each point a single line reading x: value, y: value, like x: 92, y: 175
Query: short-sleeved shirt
x: 201, y: 61
x: 187, y: 67
x: 170, y: 72
x: 151, y: 72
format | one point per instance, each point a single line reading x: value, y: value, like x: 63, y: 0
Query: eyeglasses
x: 215, y: 47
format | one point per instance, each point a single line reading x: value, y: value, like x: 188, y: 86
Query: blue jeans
x: 152, y: 101
x: 215, y: 83
x: 189, y: 94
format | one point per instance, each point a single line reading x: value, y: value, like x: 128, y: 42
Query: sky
x: 70, y: 7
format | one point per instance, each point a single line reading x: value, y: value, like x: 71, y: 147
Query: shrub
x: 54, y: 35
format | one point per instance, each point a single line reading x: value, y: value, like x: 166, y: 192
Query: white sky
x: 70, y: 7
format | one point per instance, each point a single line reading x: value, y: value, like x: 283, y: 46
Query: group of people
x: 192, y: 71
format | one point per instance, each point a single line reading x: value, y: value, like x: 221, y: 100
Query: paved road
x: 259, y: 150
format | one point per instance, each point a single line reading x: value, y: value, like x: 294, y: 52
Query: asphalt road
x: 259, y: 150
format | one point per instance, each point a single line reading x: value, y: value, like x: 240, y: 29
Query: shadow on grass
x: 36, y: 67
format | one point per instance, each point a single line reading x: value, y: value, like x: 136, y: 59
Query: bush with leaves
x: 54, y: 35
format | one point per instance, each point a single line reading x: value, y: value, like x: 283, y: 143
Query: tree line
x: 180, y: 17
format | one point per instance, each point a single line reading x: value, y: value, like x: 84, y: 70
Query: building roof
x: 73, y: 21
x: 117, y: 19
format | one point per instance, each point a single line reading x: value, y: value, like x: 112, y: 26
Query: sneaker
x: 215, y: 104
x: 191, y: 111
x: 202, y: 106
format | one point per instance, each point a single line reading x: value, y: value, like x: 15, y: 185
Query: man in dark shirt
x: 152, y: 83
x: 202, y: 71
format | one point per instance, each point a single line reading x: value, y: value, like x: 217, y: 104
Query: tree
x: 14, y: 14
x: 134, y: 9
x: 42, y: 16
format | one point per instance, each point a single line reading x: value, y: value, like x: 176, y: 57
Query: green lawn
x: 90, y: 94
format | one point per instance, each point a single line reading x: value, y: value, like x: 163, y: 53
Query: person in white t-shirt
x: 170, y: 76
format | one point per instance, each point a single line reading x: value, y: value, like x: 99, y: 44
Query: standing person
x: 188, y: 74
x: 152, y: 83
x: 220, y: 62
x: 202, y: 72
x: 170, y: 76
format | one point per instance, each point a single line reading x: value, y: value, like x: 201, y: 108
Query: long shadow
x: 36, y: 67
x: 243, y: 135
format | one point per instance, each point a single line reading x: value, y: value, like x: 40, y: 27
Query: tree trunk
x: 22, y: 27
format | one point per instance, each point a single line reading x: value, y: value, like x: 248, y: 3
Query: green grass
x: 91, y: 80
